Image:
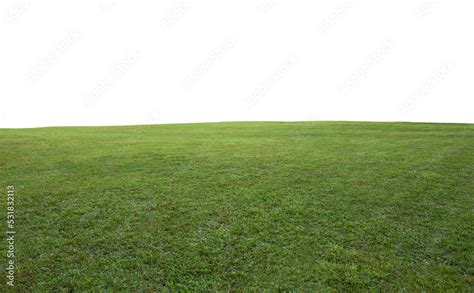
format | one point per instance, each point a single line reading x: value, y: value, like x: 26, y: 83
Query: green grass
x: 307, y: 205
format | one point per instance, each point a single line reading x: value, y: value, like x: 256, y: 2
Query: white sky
x: 144, y: 62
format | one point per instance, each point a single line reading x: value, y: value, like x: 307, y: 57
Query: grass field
x: 305, y: 205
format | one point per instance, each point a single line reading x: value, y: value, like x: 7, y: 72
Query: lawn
x: 302, y: 205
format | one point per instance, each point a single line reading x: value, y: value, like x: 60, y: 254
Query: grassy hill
x: 306, y: 205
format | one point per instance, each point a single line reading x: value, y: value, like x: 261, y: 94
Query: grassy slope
x: 310, y: 205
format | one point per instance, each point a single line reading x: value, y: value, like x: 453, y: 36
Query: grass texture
x: 250, y: 205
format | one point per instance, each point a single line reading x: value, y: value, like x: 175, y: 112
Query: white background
x: 123, y: 62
